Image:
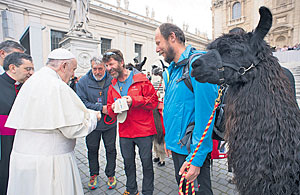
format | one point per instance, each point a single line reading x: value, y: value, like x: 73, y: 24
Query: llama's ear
x: 263, y: 27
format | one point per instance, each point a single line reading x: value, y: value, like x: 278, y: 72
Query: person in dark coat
x: 18, y: 68
x: 92, y: 89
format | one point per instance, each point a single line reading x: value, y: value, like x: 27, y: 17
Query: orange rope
x: 217, y: 102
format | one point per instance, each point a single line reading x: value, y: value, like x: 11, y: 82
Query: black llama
x: 262, y: 115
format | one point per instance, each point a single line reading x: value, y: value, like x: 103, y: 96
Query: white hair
x: 55, y: 63
x: 97, y: 60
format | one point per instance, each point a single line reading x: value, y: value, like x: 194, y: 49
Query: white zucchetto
x: 60, y: 54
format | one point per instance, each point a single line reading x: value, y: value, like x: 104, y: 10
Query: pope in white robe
x: 48, y: 116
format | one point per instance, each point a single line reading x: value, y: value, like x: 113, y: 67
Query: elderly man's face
x: 24, y: 71
x: 98, y: 70
x: 69, y: 71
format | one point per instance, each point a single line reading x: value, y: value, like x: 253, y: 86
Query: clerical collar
x: 11, y: 77
x: 1, y: 70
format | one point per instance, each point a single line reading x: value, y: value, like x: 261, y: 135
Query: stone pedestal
x: 84, y: 48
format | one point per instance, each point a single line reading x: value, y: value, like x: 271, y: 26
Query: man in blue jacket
x: 182, y: 107
x: 92, y: 89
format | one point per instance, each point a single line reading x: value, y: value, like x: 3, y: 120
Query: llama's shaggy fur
x: 262, y: 115
x: 158, y: 139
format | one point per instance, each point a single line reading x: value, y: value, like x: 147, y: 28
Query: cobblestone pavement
x: 164, y: 182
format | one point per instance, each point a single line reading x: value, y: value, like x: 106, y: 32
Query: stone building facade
x: 41, y: 24
x: 227, y: 14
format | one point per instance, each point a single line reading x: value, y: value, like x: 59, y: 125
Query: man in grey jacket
x: 92, y: 89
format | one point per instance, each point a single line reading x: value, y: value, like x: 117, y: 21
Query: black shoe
x: 161, y: 164
x: 156, y: 159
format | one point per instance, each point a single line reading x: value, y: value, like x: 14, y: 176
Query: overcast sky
x: 196, y: 13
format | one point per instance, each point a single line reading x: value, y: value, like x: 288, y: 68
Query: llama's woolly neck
x: 263, y: 119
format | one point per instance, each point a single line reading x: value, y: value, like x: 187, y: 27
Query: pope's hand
x: 98, y: 116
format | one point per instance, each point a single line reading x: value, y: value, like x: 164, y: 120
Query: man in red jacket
x: 138, y: 127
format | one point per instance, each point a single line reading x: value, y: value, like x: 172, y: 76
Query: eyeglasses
x: 109, y: 53
x: 29, y: 69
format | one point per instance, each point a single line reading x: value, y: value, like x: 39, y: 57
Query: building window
x: 138, y: 51
x: 25, y: 41
x: 105, y: 45
x: 56, y: 37
x: 236, y: 10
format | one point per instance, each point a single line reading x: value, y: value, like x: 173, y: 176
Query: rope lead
x: 217, y: 102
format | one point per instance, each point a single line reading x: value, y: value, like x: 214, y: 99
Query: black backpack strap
x: 187, y: 138
x: 186, y: 71
x: 187, y: 79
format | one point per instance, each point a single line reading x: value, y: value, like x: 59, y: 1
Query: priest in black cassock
x: 18, y: 68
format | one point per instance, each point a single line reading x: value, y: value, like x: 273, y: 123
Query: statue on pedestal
x: 79, y: 17
x: 169, y: 19
x: 126, y: 2
x: 147, y: 11
x: 118, y: 3
x: 152, y: 14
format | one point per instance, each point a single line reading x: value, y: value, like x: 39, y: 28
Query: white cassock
x: 48, y: 116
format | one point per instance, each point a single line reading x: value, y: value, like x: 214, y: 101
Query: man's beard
x: 99, y: 76
x: 118, y: 72
x: 170, y: 54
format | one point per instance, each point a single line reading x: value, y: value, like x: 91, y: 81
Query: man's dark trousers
x: 145, y: 150
x: 203, y: 178
x: 93, y: 145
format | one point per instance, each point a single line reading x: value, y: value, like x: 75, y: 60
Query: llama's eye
x: 228, y: 52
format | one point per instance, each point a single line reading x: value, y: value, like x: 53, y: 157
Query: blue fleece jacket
x: 182, y: 106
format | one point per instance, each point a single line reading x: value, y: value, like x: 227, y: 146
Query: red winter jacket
x: 139, y: 121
